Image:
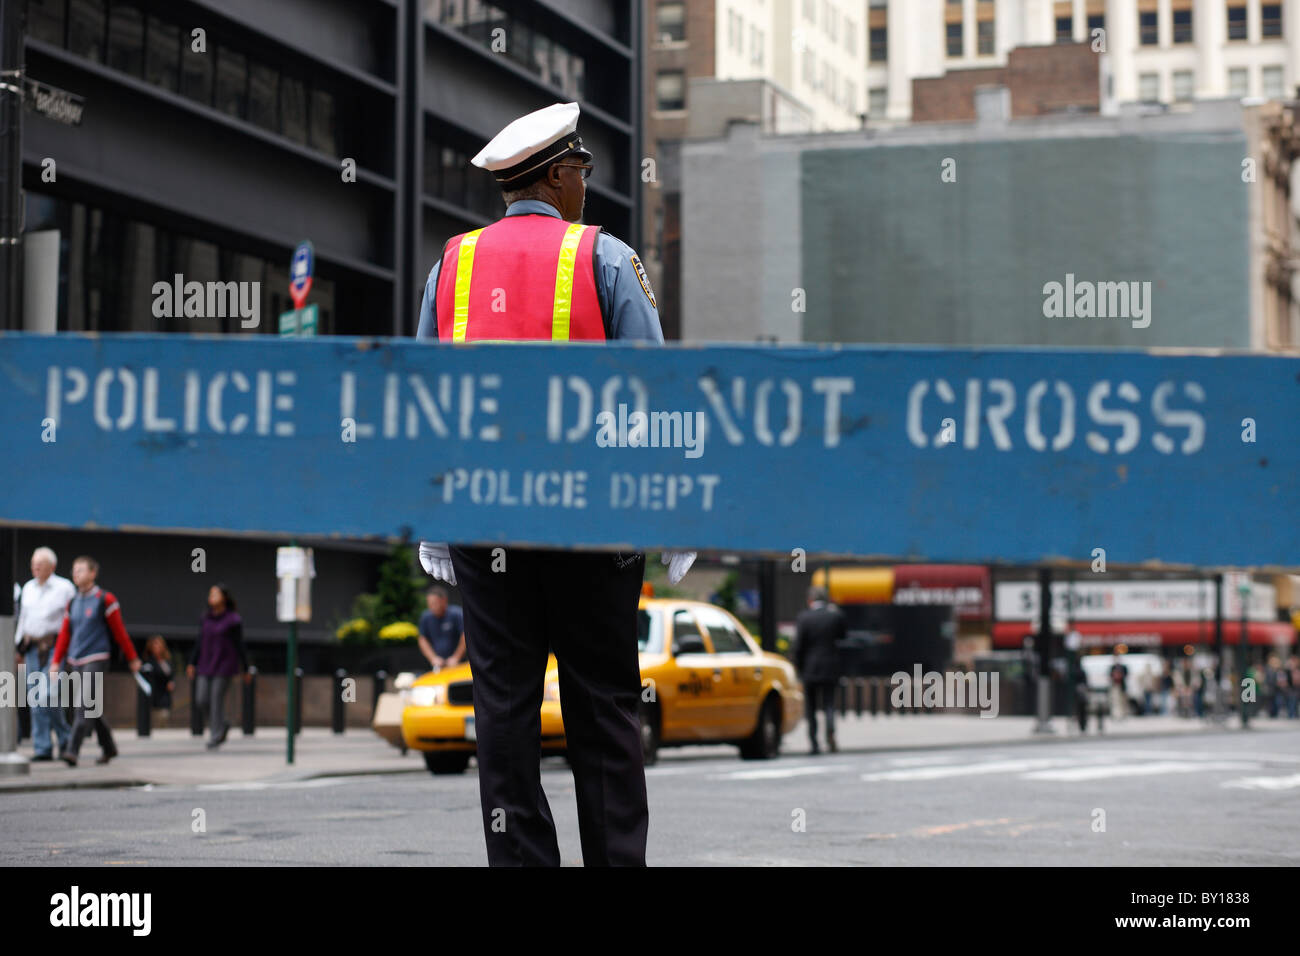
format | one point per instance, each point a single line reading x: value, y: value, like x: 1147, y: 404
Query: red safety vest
x: 530, y: 277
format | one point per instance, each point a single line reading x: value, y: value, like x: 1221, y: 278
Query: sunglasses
x: 585, y: 167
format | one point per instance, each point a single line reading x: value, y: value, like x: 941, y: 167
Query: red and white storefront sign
x: 1012, y: 634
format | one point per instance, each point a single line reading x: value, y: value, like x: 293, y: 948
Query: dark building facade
x: 218, y: 134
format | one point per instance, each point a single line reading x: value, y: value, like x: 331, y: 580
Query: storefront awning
x: 1011, y: 634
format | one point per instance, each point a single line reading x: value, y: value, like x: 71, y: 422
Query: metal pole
x: 1243, y: 661
x: 290, y: 680
x: 1043, y: 725
x: 767, y: 603
x: 1218, y: 647
x: 250, y: 703
x: 12, y: 28
x: 11, y: 761
x: 336, y: 711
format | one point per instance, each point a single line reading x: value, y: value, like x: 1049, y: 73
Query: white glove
x: 679, y: 562
x: 436, y: 560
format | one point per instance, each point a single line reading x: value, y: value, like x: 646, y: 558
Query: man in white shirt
x: 44, y: 599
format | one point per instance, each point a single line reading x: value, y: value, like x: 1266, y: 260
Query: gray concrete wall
x: 889, y: 252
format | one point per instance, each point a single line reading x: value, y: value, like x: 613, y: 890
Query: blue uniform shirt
x: 619, y: 286
x: 443, y: 632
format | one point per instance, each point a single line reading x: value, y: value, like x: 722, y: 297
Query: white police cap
x: 521, y: 152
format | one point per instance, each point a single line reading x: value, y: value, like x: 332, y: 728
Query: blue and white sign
x: 957, y: 455
x: 301, y: 269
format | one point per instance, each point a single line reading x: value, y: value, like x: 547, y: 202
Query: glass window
x: 46, y: 21
x: 986, y: 37
x: 1270, y: 78
x: 293, y: 109
x: 1148, y: 29
x: 1184, y: 85
x: 684, y: 624
x: 1065, y: 29
x: 649, y: 632
x: 263, y: 90
x: 1239, y: 82
x: 1149, y: 87
x: 453, y: 176
x: 86, y: 23
x: 162, y: 55
x: 1270, y: 19
x: 232, y: 82
x: 877, y: 101
x: 670, y: 90
x: 1096, y: 21
x: 126, y: 39
x: 1237, y: 23
x: 452, y: 13
x: 722, y: 632
x: 432, y: 168
x: 323, y: 133
x: 196, y: 73
x: 1182, y: 26
x: 577, y: 76
x: 560, y: 67
x: 879, y: 44
x: 541, y: 64
x: 519, y: 43
x: 670, y: 21
x: 954, y: 39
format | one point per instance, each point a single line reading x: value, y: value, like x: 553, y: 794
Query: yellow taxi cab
x: 704, y: 680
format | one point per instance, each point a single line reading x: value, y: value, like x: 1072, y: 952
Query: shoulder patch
x: 645, y: 282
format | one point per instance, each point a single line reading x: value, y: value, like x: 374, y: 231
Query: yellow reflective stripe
x: 564, y: 283
x: 464, y: 268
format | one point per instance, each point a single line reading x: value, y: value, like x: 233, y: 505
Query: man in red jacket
x: 92, y: 616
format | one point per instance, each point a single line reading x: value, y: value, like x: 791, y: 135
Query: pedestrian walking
x: 217, y: 657
x: 819, y: 629
x: 442, y: 630
x: 1082, y: 700
x: 564, y: 282
x: 1118, y: 689
x: 44, y: 600
x: 93, y: 619
x: 1166, y: 686
x: 161, y: 676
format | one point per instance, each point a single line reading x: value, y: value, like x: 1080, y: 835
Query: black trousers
x: 82, y: 724
x: 819, y: 695
x: 583, y: 608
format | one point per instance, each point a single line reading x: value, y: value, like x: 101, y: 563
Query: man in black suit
x: 819, y: 629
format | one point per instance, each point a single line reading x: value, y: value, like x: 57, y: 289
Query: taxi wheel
x: 766, y: 740
x: 649, y: 733
x: 445, y: 763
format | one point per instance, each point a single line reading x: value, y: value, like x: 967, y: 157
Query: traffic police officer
x: 560, y: 281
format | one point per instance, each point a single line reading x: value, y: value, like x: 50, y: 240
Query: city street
x: 1202, y: 798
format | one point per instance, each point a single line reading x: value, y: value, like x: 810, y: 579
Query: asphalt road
x: 1213, y: 799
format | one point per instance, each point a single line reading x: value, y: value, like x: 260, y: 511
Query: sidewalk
x: 174, y: 758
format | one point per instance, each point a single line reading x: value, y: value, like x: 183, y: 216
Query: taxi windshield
x: 649, y: 632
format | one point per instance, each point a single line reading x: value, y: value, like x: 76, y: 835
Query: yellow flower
x: 357, y: 626
x: 398, y: 631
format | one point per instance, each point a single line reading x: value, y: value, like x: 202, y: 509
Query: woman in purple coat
x: 217, y: 657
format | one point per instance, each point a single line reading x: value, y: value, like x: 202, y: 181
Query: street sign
x: 297, y: 322
x: 909, y: 454
x: 301, y: 268
x: 54, y: 103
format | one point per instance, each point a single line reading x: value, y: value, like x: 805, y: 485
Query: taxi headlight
x: 428, y: 695
x: 552, y: 691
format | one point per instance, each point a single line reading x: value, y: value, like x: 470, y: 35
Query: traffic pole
x: 12, y: 29
x: 290, y: 680
x: 1043, y: 725
x: 1218, y: 648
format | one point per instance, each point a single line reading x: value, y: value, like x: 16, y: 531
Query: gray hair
x: 45, y: 554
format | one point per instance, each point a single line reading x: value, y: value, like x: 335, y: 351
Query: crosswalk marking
x: 1151, y: 768
x: 773, y: 774
x: 1265, y: 783
x: 967, y: 770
